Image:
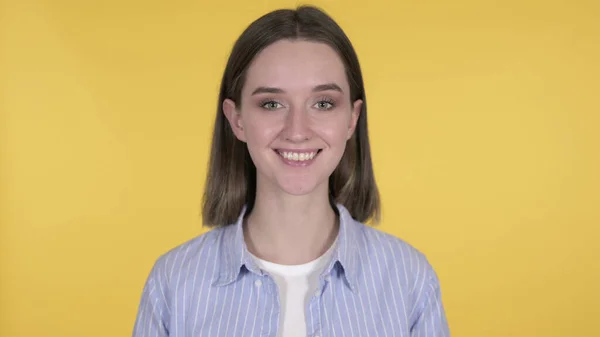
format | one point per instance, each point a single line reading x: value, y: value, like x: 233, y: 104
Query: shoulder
x: 407, y: 271
x: 403, y: 265
x: 397, y: 255
x: 380, y: 242
x: 192, y: 254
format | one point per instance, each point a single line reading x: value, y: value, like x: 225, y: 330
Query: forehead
x: 296, y: 65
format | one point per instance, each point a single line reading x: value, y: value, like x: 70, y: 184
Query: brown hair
x: 231, y: 179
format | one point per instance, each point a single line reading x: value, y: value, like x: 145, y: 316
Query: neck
x: 288, y: 229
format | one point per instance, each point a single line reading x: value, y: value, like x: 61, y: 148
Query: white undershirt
x: 296, y: 284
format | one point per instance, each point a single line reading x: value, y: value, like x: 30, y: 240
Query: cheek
x: 260, y: 132
x: 335, y: 133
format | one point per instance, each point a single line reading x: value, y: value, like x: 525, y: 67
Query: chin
x: 299, y: 187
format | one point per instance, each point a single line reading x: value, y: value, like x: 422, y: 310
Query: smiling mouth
x: 298, y: 157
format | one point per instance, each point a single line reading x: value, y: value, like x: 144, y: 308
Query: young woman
x: 289, y: 187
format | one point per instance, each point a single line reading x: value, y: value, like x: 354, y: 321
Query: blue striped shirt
x: 374, y: 285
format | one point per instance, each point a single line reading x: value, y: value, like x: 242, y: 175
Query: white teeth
x: 295, y: 156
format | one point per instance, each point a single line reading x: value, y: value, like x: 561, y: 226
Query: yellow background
x: 485, y: 129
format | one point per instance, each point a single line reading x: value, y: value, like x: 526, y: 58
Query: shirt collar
x: 234, y: 255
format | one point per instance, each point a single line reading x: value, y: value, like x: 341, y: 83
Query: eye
x: 325, y: 105
x: 271, y: 105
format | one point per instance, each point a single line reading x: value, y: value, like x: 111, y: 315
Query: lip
x: 298, y: 150
x: 297, y: 163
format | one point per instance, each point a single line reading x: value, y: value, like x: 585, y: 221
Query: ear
x: 356, y: 108
x: 234, y: 118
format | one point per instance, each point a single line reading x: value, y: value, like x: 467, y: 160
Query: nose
x: 297, y: 126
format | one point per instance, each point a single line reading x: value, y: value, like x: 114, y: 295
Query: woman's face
x: 295, y: 115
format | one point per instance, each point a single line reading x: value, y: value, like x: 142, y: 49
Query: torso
x: 372, y: 285
x: 296, y: 285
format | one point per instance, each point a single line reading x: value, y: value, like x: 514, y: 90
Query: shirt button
x: 258, y: 283
x: 327, y: 278
x: 317, y: 294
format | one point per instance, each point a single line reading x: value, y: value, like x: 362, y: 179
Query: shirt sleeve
x: 153, y: 312
x: 431, y: 317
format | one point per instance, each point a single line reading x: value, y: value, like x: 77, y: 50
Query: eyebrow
x: 318, y: 88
